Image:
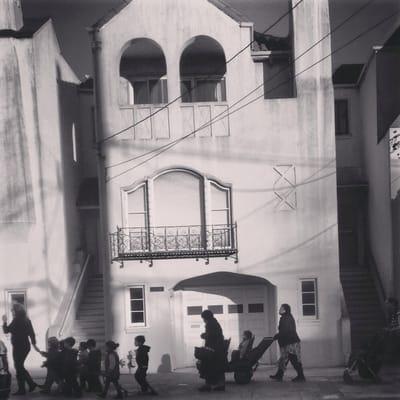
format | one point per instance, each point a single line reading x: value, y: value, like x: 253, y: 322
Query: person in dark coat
x: 289, y: 344
x: 70, y: 368
x: 94, y: 367
x: 213, y: 369
x: 22, y: 335
x: 142, y: 362
x: 112, y: 370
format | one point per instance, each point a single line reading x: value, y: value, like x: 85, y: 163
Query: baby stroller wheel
x: 243, y: 377
x: 347, y: 377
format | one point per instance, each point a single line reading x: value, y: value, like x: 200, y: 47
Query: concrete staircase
x: 362, y: 300
x: 90, y: 320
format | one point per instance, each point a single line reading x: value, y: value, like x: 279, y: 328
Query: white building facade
x: 238, y: 217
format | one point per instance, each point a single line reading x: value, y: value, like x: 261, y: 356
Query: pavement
x: 325, y: 384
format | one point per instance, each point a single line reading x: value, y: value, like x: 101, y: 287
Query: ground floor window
x: 137, y: 306
x: 309, y: 298
x: 15, y: 296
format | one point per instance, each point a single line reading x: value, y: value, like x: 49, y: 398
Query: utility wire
x: 259, y: 97
x: 209, y: 76
x: 359, y: 10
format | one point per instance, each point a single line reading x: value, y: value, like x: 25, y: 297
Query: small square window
x: 235, y: 308
x: 309, y: 298
x: 194, y: 310
x: 216, y: 309
x: 256, y: 308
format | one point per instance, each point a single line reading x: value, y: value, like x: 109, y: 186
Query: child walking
x: 112, y: 371
x: 69, y: 357
x: 94, y: 367
x: 52, y: 363
x: 142, y: 361
x: 83, y: 365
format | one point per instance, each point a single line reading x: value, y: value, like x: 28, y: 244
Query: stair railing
x: 71, y: 301
x: 373, y: 269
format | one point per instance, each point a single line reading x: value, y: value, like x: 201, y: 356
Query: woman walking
x: 289, y: 343
x: 22, y: 335
x: 213, y: 369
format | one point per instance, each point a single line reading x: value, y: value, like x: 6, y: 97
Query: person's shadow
x: 165, y: 365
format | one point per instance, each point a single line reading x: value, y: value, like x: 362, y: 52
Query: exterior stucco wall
x: 280, y: 246
x: 38, y: 255
x: 377, y: 168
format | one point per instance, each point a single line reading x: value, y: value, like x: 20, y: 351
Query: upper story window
x: 203, y: 69
x: 342, y: 117
x: 143, y: 73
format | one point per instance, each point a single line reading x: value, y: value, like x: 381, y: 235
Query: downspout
x: 99, y: 134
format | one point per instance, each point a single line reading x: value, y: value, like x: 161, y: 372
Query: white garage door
x: 236, y: 308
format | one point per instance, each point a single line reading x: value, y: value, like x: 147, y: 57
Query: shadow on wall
x: 165, y: 365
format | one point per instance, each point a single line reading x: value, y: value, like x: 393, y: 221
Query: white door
x: 236, y: 308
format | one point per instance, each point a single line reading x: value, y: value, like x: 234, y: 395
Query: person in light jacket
x: 289, y: 344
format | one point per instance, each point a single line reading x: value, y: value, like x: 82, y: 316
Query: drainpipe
x: 101, y: 173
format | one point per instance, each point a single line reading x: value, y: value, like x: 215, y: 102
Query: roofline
x: 228, y: 10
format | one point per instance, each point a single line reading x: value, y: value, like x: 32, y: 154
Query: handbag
x: 203, y: 353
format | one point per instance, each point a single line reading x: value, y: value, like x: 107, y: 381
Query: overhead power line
x: 209, y: 76
x: 348, y: 43
x: 213, y: 120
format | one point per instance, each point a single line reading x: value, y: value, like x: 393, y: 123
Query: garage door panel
x: 233, y: 323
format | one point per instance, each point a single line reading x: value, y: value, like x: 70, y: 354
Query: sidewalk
x: 325, y: 384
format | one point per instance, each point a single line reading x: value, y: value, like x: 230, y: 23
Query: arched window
x: 170, y: 213
x: 143, y: 73
x: 202, y: 70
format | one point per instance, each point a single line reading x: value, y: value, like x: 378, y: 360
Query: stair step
x: 83, y: 323
x: 90, y: 313
x: 92, y: 300
x: 89, y: 317
x: 92, y: 305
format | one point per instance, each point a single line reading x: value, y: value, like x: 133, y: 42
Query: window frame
x: 316, y: 300
x: 8, y: 294
x: 146, y: 79
x: 192, y: 93
x: 128, y: 311
x: 348, y: 121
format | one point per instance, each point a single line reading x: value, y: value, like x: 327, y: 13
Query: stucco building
x: 238, y: 217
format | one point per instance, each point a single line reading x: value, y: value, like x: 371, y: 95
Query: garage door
x: 236, y: 308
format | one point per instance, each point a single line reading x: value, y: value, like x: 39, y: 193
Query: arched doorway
x: 239, y: 302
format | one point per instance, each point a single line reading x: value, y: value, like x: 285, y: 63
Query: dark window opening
x: 235, y: 308
x: 203, y: 69
x: 194, y: 310
x: 216, y: 309
x: 341, y: 117
x: 256, y: 308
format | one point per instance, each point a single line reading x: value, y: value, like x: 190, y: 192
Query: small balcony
x: 174, y: 242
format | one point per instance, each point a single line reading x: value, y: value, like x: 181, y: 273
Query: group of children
x: 75, y: 371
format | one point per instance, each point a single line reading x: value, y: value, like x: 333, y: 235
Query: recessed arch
x: 202, y: 70
x: 143, y: 73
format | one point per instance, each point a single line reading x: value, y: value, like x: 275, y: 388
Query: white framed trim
x: 141, y: 325
x: 8, y: 300
x: 308, y: 318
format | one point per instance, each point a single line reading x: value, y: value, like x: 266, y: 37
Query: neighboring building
x: 367, y: 102
x: 40, y: 235
x: 241, y: 216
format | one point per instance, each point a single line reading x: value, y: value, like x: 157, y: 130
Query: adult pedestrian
x: 289, y: 344
x: 213, y: 368
x: 22, y: 335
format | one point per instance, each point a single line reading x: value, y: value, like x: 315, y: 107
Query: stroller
x: 368, y: 361
x: 244, y: 368
x: 5, y: 376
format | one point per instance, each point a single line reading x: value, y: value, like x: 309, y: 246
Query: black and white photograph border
x: 200, y: 199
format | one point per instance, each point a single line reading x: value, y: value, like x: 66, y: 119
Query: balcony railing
x: 169, y: 242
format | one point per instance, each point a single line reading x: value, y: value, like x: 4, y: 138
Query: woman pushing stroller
x: 289, y: 344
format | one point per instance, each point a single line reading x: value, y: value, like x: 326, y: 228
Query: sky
x: 72, y: 17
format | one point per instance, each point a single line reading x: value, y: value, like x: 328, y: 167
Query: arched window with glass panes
x: 178, y: 210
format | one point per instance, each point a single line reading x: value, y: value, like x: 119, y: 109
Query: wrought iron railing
x: 196, y: 241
